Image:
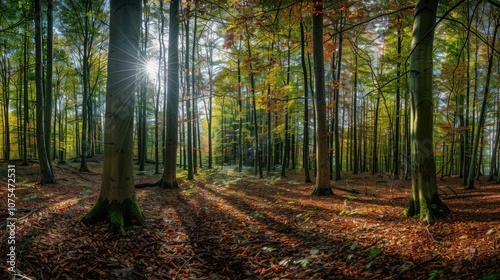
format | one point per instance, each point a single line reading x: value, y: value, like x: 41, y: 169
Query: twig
x: 451, y: 190
x: 346, y: 190
x: 427, y: 229
x: 180, y: 268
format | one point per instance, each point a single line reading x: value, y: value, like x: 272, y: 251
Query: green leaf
x: 268, y: 249
x: 256, y: 215
x: 349, y: 257
x: 314, y: 251
x: 304, y: 262
x: 435, y: 273
x: 494, y: 276
x: 354, y: 246
x: 30, y: 197
x: 374, y: 253
x: 369, y: 265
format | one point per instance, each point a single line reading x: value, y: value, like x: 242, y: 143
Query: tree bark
x: 424, y: 201
x: 43, y: 157
x: 323, y: 175
x: 305, y: 143
x: 117, y: 202
x: 187, y: 99
x: 169, y: 179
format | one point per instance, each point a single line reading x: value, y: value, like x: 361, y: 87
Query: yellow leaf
x: 465, y: 236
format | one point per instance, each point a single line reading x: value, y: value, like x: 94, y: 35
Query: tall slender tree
x: 482, y: 114
x: 169, y: 179
x: 43, y: 153
x: 323, y: 174
x: 117, y: 202
x: 424, y: 201
x: 305, y: 155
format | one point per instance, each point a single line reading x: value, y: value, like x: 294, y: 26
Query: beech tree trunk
x: 43, y: 156
x: 424, y: 201
x: 117, y: 203
x: 323, y: 174
x: 305, y: 155
x: 169, y: 179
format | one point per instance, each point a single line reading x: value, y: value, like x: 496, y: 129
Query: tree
x: 117, y: 202
x: 81, y: 22
x: 169, y: 179
x: 305, y: 156
x: 43, y: 152
x: 424, y: 200
x: 482, y: 114
x: 323, y: 175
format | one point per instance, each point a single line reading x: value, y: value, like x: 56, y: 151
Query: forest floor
x: 230, y: 225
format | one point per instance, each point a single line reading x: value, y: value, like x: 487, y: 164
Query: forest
x: 250, y: 139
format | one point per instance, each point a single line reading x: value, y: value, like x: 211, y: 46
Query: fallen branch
x: 346, y: 190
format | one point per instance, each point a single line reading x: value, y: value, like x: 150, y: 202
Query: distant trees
x: 240, y: 88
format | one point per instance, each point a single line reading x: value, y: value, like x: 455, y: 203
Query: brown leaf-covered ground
x: 227, y: 225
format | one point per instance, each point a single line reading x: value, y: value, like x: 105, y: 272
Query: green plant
x: 435, y: 273
x: 374, y: 253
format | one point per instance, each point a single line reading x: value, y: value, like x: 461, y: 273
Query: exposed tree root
x: 119, y: 214
x: 427, y: 210
x: 320, y: 191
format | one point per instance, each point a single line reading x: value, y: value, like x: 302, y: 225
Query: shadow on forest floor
x: 227, y: 225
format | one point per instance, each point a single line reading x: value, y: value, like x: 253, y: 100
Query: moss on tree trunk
x: 120, y: 215
x: 427, y: 209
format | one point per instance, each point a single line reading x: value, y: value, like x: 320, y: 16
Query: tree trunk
x: 187, y: 99
x: 305, y: 143
x: 169, y: 179
x: 286, y: 151
x: 161, y: 45
x: 117, y: 202
x: 482, y: 116
x: 85, y: 73
x: 141, y: 130
x: 194, y: 117
x: 494, y: 150
x: 43, y: 157
x: 5, y: 70
x: 240, y: 120
x: 375, y: 137
x: 25, y: 92
x: 254, y: 104
x: 397, y: 126
x: 338, y: 163
x: 323, y: 175
x: 48, y: 81
x: 355, y: 116
x: 424, y: 201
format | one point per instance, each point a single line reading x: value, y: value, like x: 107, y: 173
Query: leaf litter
x: 242, y: 227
